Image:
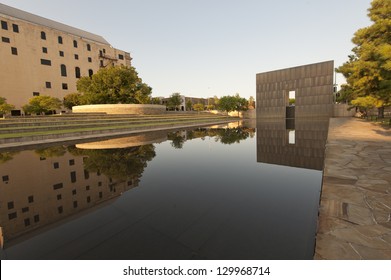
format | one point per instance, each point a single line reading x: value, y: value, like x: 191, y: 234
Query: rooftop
x: 22, y: 15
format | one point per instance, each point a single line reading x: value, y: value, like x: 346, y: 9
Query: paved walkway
x: 355, y: 211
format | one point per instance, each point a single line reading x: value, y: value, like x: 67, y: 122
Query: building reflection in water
x: 58, y: 182
x: 296, y: 142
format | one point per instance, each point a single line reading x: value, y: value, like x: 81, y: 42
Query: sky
x: 202, y: 48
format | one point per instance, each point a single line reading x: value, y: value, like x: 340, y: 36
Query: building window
x: 43, y: 35
x: 25, y: 209
x: 36, y: 218
x: 63, y: 70
x: 59, y: 39
x: 86, y: 174
x: 60, y: 209
x: 73, y: 176
x: 6, y: 178
x: 121, y: 56
x: 104, y: 50
x: 90, y: 72
x: 77, y: 72
x: 56, y: 165
x: 46, y: 62
x: 10, y: 205
x: 88, y: 47
x: 71, y: 162
x: 4, y: 25
x: 59, y: 197
x: 57, y: 186
x: 30, y: 199
x: 88, y: 199
x: 27, y: 222
x: 87, y: 188
x: 44, y: 50
x: 14, y: 51
x: 75, y: 43
x: 48, y: 84
x: 5, y: 39
x: 99, y: 184
x: 12, y: 216
x: 35, y: 93
x: 61, y: 53
x: 100, y: 194
x: 74, y: 192
x: 76, y: 56
x: 15, y: 28
x: 89, y: 59
x: 75, y: 204
x: 101, y: 63
x: 64, y: 86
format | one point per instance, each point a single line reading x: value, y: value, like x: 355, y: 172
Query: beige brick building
x: 39, y: 56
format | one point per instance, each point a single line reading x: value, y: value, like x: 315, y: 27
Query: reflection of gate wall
x: 313, y: 86
x: 308, y: 151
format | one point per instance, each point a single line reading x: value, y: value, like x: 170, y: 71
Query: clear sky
x: 202, y: 48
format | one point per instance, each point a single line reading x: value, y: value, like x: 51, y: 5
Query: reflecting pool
x: 235, y: 191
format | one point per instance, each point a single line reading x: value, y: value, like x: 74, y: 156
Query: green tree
x: 368, y: 70
x: 345, y: 94
x: 189, y: 105
x: 112, y: 85
x: 174, y: 101
x: 241, y: 103
x: 227, y: 103
x: 73, y: 99
x: 5, y: 107
x: 366, y: 103
x: 42, y: 104
x: 198, y: 107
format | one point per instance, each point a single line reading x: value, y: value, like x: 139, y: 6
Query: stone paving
x: 355, y: 208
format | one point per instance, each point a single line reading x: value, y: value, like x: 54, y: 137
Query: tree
x: 241, y: 104
x: 112, y: 85
x: 227, y: 103
x: 73, y: 99
x: 189, y: 105
x: 174, y: 101
x: 42, y: 104
x: 345, y: 94
x: 5, y: 107
x: 368, y: 70
x: 198, y: 107
x: 366, y: 103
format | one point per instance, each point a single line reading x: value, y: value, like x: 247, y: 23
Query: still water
x: 236, y: 191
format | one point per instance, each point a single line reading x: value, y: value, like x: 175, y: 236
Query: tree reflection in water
x: 224, y: 135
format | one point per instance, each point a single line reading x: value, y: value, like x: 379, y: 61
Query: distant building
x: 185, y: 101
x: 40, y: 56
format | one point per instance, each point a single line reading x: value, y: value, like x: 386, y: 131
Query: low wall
x: 138, y: 109
x: 341, y: 110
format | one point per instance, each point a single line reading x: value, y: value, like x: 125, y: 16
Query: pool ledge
x: 355, y: 205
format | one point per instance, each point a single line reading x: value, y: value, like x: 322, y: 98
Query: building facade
x: 44, y: 57
x: 309, y: 87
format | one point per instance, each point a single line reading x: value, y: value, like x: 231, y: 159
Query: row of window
x: 4, y: 26
x: 63, y: 69
x: 60, y: 41
x: 14, y: 51
x: 15, y: 28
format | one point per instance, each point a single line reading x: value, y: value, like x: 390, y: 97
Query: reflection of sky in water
x: 206, y: 200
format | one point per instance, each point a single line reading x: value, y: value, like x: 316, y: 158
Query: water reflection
x: 292, y: 142
x: 127, y: 198
x: 62, y: 181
